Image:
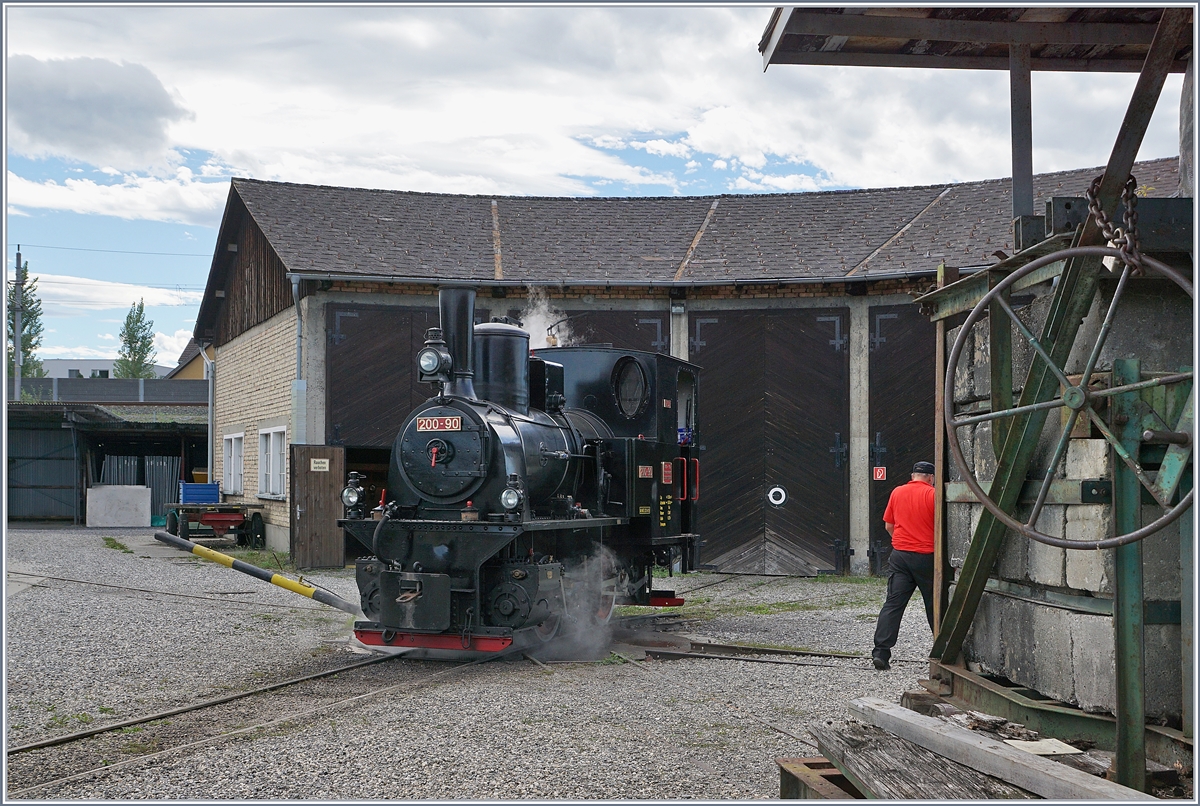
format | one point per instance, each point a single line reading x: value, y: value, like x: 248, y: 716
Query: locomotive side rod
x: 316, y: 594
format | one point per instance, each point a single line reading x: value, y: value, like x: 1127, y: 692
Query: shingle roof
x: 827, y: 236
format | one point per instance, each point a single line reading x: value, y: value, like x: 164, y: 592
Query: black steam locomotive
x: 532, y: 493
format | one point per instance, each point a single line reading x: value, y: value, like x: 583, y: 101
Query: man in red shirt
x: 909, y: 520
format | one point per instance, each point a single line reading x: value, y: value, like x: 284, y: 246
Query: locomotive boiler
x: 531, y: 493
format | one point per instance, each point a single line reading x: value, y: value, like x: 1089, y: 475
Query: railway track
x: 36, y: 768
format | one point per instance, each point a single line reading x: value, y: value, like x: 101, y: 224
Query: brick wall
x: 749, y: 292
x: 253, y: 390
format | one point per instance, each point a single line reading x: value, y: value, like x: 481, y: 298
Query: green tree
x: 31, y: 326
x: 136, y: 357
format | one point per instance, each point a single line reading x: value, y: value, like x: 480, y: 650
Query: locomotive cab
x: 530, y: 492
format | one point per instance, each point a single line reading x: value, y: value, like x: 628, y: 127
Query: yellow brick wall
x: 254, y: 385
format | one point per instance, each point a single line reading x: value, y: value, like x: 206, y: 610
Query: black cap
x: 925, y: 468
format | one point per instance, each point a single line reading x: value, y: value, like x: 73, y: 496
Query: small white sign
x: 318, y: 465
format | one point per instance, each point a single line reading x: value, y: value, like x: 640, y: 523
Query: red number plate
x: 439, y: 423
x: 667, y: 476
x: 645, y: 472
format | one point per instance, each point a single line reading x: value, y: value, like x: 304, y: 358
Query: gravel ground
x: 80, y: 655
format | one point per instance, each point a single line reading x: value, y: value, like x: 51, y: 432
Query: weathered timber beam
x: 1033, y: 773
x: 990, y: 32
x: 963, y: 295
x: 841, y: 58
x: 1072, y: 299
x: 779, y: 19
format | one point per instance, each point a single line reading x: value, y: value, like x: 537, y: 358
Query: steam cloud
x: 538, y: 315
x: 585, y: 634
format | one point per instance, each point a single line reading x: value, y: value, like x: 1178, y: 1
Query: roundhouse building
x: 817, y: 386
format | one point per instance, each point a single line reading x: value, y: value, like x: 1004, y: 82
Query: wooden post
x: 942, y: 573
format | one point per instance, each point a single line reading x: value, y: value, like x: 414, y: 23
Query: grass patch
x: 271, y: 560
x: 838, y: 579
x: 117, y: 544
x: 104, y: 709
x: 136, y: 748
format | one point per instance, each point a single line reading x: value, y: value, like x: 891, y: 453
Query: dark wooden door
x: 902, y: 346
x: 773, y: 417
x: 808, y: 425
x: 371, y: 383
x: 728, y: 346
x: 317, y: 474
x: 624, y: 330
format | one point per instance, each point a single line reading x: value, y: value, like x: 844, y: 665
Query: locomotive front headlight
x: 429, y: 360
x: 510, y: 498
x: 351, y: 496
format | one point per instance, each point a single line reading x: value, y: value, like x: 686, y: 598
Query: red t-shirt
x: 910, y: 510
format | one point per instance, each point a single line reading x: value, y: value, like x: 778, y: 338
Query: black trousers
x: 907, y: 570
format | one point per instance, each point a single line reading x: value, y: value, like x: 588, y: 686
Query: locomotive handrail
x: 696, y: 486
x: 683, y: 494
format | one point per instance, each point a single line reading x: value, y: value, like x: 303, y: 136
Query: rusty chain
x: 1124, y: 239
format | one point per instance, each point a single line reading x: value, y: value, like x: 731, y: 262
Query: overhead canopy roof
x: 1065, y: 39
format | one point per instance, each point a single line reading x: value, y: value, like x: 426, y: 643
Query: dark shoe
x: 881, y: 664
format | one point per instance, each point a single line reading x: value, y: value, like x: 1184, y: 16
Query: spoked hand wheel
x: 1077, y: 397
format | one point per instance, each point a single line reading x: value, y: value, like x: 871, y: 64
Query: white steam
x: 593, y: 584
x: 538, y: 315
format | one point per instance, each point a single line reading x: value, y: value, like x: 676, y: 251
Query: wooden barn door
x: 728, y: 346
x: 807, y: 437
x: 902, y: 346
x: 774, y: 420
x: 624, y: 330
x: 317, y: 474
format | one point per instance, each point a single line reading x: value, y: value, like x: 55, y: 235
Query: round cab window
x: 630, y: 386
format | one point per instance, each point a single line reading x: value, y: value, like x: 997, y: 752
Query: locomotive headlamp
x: 429, y: 361
x: 511, y: 498
x: 434, y: 361
x: 351, y: 496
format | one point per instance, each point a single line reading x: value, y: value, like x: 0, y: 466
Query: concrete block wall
x: 253, y: 391
x: 1062, y: 652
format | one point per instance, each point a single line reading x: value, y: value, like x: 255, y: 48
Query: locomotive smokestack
x: 457, y: 311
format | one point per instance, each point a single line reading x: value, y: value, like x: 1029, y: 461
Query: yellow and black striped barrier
x: 316, y: 594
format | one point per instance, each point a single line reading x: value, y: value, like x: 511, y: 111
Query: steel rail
x: 291, y: 718
x: 141, y: 720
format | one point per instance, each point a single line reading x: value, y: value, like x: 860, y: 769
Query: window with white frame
x: 234, y: 444
x: 272, y: 461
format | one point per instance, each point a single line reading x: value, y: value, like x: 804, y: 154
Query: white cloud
x: 106, y: 353
x: 663, y: 148
x: 169, y: 347
x: 535, y: 100
x: 180, y: 199
x: 106, y: 336
x: 63, y: 295
x: 87, y: 109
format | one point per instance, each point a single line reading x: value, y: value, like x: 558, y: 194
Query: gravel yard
x: 82, y: 655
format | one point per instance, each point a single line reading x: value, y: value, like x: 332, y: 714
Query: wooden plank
x: 884, y: 766
x: 813, y: 778
x: 1046, y: 778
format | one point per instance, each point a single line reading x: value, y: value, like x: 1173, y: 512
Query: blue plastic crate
x: 199, y: 493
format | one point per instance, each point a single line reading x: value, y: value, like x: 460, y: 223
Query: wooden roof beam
x: 806, y: 23
x: 851, y: 59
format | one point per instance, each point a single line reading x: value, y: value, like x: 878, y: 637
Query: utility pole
x: 18, y: 298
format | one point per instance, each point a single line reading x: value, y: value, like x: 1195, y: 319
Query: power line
x: 114, y: 251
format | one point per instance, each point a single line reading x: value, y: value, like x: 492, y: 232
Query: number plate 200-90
x: 439, y: 423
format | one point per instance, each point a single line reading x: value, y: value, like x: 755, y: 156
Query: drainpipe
x: 210, y: 369
x: 299, y: 387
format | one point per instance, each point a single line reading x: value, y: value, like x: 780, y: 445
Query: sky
x: 124, y: 125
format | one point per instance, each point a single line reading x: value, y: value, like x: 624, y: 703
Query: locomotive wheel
x: 548, y: 628
x: 1077, y: 398
x: 172, y: 524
